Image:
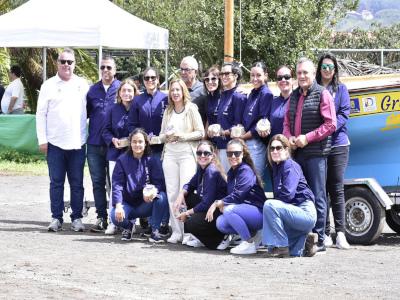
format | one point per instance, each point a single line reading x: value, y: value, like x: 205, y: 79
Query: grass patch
x: 15, y: 168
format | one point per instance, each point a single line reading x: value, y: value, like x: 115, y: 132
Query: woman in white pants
x: 181, y: 129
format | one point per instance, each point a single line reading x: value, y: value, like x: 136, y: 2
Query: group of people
x: 198, y: 159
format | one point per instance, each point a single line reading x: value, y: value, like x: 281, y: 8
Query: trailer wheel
x: 364, y: 216
x: 393, y: 218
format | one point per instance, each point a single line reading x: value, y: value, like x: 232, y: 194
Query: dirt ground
x: 36, y: 264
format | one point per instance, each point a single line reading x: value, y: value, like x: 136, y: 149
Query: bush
x: 12, y: 155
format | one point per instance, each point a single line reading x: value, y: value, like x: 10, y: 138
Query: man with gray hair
x: 189, y: 70
x: 309, y: 121
x: 61, y: 133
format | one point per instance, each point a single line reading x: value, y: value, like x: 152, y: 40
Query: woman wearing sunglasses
x: 181, y: 129
x: 115, y: 133
x: 212, y: 84
x: 328, y: 76
x: 289, y: 218
x: 258, y: 106
x: 242, y: 208
x: 207, y: 185
x: 228, y: 111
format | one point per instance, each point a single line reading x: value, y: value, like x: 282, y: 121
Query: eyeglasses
x: 106, y: 67
x: 328, y: 67
x: 281, y: 77
x: 185, y: 70
x: 203, y: 153
x: 222, y: 74
x: 212, y: 79
x: 232, y: 153
x: 64, y: 61
x: 148, y: 78
x: 277, y: 148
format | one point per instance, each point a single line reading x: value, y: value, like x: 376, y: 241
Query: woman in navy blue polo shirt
x: 135, y: 171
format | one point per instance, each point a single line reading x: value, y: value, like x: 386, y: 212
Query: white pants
x: 224, y: 160
x: 178, y: 170
x: 111, y: 166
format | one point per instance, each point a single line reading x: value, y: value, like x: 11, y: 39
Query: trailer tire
x: 364, y: 216
x: 393, y: 218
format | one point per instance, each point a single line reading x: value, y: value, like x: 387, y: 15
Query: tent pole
x: 44, y: 62
x: 148, y: 57
x: 99, y: 59
x: 166, y: 69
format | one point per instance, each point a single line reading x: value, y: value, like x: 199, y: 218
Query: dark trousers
x: 337, y: 163
x: 315, y: 170
x: 68, y: 163
x: 197, y: 225
x: 96, y: 157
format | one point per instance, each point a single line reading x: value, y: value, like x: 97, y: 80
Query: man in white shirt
x: 13, y: 98
x: 61, y: 132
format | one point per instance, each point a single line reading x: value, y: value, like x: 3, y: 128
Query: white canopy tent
x: 91, y: 24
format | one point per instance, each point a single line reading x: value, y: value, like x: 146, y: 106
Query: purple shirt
x: 277, y: 114
x: 210, y: 186
x: 131, y: 175
x: 116, y: 126
x: 258, y: 106
x: 243, y: 187
x: 342, y: 108
x: 290, y: 186
x: 98, y: 102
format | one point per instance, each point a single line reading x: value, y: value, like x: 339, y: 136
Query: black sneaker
x: 278, y: 252
x: 144, y: 223
x: 310, y: 247
x: 126, y: 235
x: 100, y: 225
x: 164, y: 230
x: 156, y: 237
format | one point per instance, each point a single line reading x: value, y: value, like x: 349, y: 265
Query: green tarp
x: 19, y: 132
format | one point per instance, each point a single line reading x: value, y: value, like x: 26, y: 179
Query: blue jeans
x: 258, y: 154
x: 287, y: 225
x: 156, y: 209
x: 337, y: 163
x: 314, y: 169
x: 71, y: 163
x: 96, y: 157
x: 242, y: 219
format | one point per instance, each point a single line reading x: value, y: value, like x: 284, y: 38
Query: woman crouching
x: 138, y: 187
x: 289, y: 218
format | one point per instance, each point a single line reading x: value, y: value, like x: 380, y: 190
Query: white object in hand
x: 263, y: 125
x: 124, y: 142
x: 150, y: 191
x: 237, y: 131
x: 214, y: 129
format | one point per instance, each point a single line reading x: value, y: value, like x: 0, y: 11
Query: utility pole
x: 228, y: 31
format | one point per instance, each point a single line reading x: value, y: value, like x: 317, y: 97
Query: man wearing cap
x: 188, y: 70
x: 61, y: 133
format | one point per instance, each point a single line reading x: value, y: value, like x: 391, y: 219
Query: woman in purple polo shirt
x: 242, y: 207
x: 135, y: 171
x: 328, y: 76
x: 115, y: 133
x: 291, y: 215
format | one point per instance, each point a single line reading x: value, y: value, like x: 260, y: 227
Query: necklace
x: 182, y: 110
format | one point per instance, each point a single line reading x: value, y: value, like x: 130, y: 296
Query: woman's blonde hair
x: 284, y: 141
x: 131, y: 83
x: 185, y: 92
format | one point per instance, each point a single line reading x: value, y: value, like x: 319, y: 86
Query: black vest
x: 311, y: 118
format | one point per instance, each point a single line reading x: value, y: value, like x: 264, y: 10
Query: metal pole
x: 166, y: 69
x: 44, y: 62
x: 382, y: 58
x: 228, y: 31
x: 148, y: 57
x: 99, y: 59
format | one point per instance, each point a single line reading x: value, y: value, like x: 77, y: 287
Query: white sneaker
x: 341, y: 241
x: 187, y: 237
x: 175, y: 238
x: 77, y: 225
x: 55, y: 225
x: 111, y: 229
x: 195, y: 243
x: 328, y: 241
x: 244, y: 248
x: 225, y: 243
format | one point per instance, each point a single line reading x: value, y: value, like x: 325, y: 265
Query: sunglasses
x: 224, y: 74
x: 203, y: 153
x: 281, y: 77
x: 232, y: 153
x: 328, y: 67
x: 106, y: 67
x: 64, y: 61
x: 212, y: 79
x: 148, y: 78
x: 277, y: 148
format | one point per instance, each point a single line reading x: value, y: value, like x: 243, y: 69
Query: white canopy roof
x: 80, y: 24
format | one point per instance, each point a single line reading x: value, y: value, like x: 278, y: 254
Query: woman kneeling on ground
x: 242, y: 207
x: 291, y: 215
x: 134, y: 171
x: 207, y: 185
